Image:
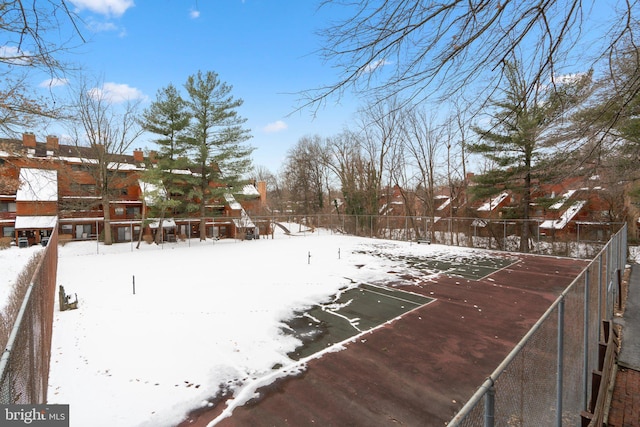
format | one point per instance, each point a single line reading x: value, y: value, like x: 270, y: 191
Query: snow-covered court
x: 164, y: 330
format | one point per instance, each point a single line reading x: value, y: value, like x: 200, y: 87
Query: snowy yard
x: 204, y: 317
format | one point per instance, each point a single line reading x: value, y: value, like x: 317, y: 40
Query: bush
x: 9, y: 313
x: 63, y: 239
x: 5, y: 242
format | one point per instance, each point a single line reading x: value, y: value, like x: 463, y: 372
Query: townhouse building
x: 47, y: 184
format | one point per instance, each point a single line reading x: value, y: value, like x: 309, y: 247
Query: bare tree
x: 419, y: 48
x: 9, y: 182
x: 306, y: 172
x: 33, y: 37
x: 423, y: 142
x: 380, y: 133
x: 102, y: 134
x: 355, y: 173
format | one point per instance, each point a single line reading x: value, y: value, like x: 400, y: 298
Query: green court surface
x: 473, y: 268
x: 351, y: 312
x: 362, y: 308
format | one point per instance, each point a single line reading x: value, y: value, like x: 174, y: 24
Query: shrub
x: 9, y: 312
x: 63, y: 239
x: 5, y: 242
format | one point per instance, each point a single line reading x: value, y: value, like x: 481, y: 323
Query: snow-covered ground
x: 205, y: 316
x: 634, y: 254
x: 12, y: 261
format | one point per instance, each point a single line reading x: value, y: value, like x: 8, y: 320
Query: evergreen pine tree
x: 214, y: 141
x: 168, y: 118
x: 514, y: 141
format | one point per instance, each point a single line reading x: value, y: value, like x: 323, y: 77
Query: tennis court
x: 351, y: 312
x: 447, y: 334
x: 473, y: 268
x: 363, y: 308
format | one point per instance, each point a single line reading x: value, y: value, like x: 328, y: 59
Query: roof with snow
x: 233, y: 203
x: 151, y: 192
x: 568, y: 215
x: 244, y: 221
x: 566, y: 196
x: 249, y: 190
x: 447, y: 202
x: 493, y: 203
x: 166, y: 223
x: 35, y: 222
x: 38, y: 185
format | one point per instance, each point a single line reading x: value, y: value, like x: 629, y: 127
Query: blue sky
x: 265, y: 49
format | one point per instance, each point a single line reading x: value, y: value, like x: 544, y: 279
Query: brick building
x: 47, y: 183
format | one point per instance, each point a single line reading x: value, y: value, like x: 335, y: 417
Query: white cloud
x: 568, y: 78
x: 372, y: 66
x: 276, y: 126
x: 13, y: 55
x: 54, y: 82
x: 100, y: 27
x: 194, y: 14
x: 116, y: 93
x: 104, y: 7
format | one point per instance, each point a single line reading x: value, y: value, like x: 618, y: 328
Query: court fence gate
x: 547, y: 378
x: 24, y: 365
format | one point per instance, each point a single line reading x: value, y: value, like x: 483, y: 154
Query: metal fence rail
x: 545, y: 380
x: 575, y: 239
x: 24, y: 365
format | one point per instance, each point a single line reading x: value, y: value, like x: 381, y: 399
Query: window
x: 133, y: 211
x: 83, y: 231
x: 119, y: 211
x: 7, y: 206
x: 124, y: 234
x: 67, y: 228
x: 88, y: 188
x: 8, y: 231
x: 77, y: 189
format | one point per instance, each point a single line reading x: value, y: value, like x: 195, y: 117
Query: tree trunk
x: 107, y: 222
x: 142, y: 220
x: 203, y: 228
x: 524, y: 238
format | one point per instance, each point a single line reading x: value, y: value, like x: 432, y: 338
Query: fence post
x: 560, y: 362
x: 585, y: 349
x: 489, y: 407
x: 600, y: 296
x: 504, y: 235
x: 406, y: 229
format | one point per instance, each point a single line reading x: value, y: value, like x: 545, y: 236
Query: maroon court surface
x: 419, y: 369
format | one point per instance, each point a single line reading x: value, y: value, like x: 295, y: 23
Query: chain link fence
x: 546, y: 379
x: 575, y: 239
x: 24, y: 365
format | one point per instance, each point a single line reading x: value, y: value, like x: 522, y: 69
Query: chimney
x: 153, y: 156
x: 29, y: 139
x: 138, y: 156
x: 52, y: 142
x: 262, y: 189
